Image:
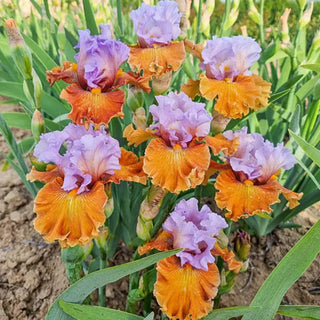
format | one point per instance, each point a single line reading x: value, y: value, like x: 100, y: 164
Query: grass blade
x: 88, y: 12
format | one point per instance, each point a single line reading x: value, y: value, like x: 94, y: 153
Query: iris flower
x: 95, y: 77
x: 248, y: 182
x: 179, y: 156
x: 156, y: 53
x: 226, y: 62
x: 187, y: 282
x: 70, y: 206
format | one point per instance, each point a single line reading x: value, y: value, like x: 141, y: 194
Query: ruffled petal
x: 66, y: 216
x: 184, y: 292
x: 265, y: 90
x: 228, y: 257
x: 191, y: 88
x: 95, y: 106
x: 194, y: 49
x: 133, y: 78
x: 67, y: 73
x: 176, y: 169
x: 157, y: 60
x: 219, y: 143
x: 163, y: 242
x: 49, y: 175
x: 235, y: 98
x: 243, y: 199
x: 292, y: 197
x: 136, y: 136
x: 214, y: 167
x: 131, y: 168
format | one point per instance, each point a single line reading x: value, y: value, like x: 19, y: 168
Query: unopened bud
x: 37, y: 87
x: 26, y: 90
x: 135, y: 98
x: 205, y: 19
x: 150, y: 206
x: 144, y: 228
x: 254, y: 14
x: 76, y: 254
x: 245, y: 266
x: 222, y: 239
x: 306, y: 17
x: 37, y: 125
x: 102, y: 238
x: 284, y: 27
x: 161, y: 84
x: 244, y: 31
x: 316, y: 41
x: 109, y: 206
x: 139, y: 118
x: 242, y: 245
x: 232, y: 18
x: 19, y: 51
x: 219, y: 122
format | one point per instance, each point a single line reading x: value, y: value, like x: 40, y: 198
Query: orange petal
x: 131, y: 168
x: 243, y: 199
x: 67, y: 73
x: 50, y: 174
x: 194, y: 49
x: 234, y: 98
x: 163, y: 242
x: 185, y: 293
x: 133, y: 78
x: 67, y: 216
x: 93, y: 106
x: 219, y: 143
x: 291, y: 196
x: 176, y: 169
x: 137, y: 136
x: 228, y: 257
x: 157, y: 60
x: 214, y: 167
x: 191, y: 88
x: 265, y: 90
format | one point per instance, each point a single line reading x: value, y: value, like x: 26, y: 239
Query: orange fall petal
x: 49, y: 175
x: 176, y: 169
x: 130, y: 77
x: 191, y: 88
x: 136, y: 136
x: 219, y: 143
x: 233, y: 98
x: 131, y: 168
x: 95, y: 106
x: 243, y: 199
x: 185, y: 291
x: 67, y: 73
x: 157, y: 60
x: 163, y: 242
x: 66, y: 216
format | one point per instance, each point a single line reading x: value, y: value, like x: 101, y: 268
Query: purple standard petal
x: 228, y: 57
x: 257, y: 159
x: 194, y: 231
x: 157, y: 24
x: 99, y: 58
x: 179, y: 119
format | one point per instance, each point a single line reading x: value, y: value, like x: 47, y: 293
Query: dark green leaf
x: 88, y: 12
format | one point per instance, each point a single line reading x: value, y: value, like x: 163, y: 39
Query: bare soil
x: 32, y: 274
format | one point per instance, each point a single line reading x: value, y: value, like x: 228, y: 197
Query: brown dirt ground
x: 32, y: 274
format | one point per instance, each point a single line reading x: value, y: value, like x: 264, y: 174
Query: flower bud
x: 284, y: 27
x: 302, y: 3
x: 219, y: 122
x: 222, y: 239
x: 20, y: 52
x: 109, y: 206
x: 37, y: 89
x: 306, y: 17
x: 316, y: 41
x: 144, y: 228
x: 244, y: 30
x: 102, y: 238
x: 232, y: 18
x: 205, y: 19
x: 26, y: 90
x: 161, y: 84
x: 242, y: 245
x: 135, y: 98
x: 254, y: 14
x: 139, y: 118
x: 37, y: 125
x: 150, y: 206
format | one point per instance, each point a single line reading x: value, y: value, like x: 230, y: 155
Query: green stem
x: 74, y: 272
x: 261, y: 26
x: 102, y: 290
x: 227, y: 8
x: 119, y: 15
x: 198, y: 21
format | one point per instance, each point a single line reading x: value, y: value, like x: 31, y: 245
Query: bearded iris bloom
x: 179, y: 156
x: 95, y: 77
x: 70, y: 207
x: 226, y: 62
x: 187, y: 282
x: 156, y: 53
x: 248, y: 184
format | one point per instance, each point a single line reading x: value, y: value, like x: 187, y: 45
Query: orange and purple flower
x: 226, y: 62
x: 249, y: 184
x: 179, y: 156
x: 95, y: 77
x: 70, y: 207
